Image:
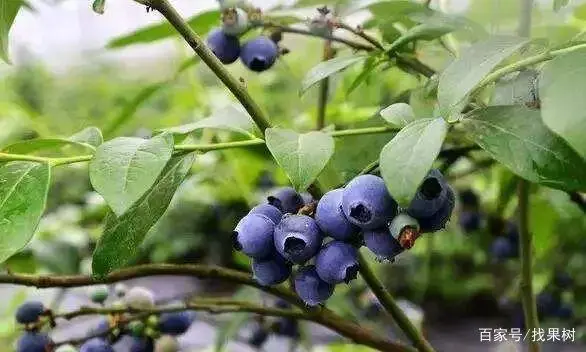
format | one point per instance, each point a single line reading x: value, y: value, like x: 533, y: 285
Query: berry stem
x: 322, y: 316
x: 388, y: 302
x: 525, y: 249
x: 201, y: 49
x: 324, y: 87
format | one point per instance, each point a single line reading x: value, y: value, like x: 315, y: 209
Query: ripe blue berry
x: 271, y: 271
x: 548, y: 304
x: 439, y: 220
x: 330, y: 217
x: 34, y: 342
x: 269, y: 211
x: 564, y: 312
x: 382, y: 243
x: 102, y: 328
x: 259, y: 54
x: 337, y: 262
x: 298, y: 238
x: 225, y: 47
x: 96, y: 345
x: 307, y: 198
x: 29, y: 312
x: 253, y: 236
x: 562, y: 280
x: 470, y: 220
x: 142, y: 344
x: 287, y: 327
x: 430, y: 196
x: 311, y: 288
x: 176, y: 323
x: 501, y: 249
x: 282, y: 304
x: 258, y: 337
x: 469, y: 199
x: 367, y: 203
x: 286, y: 199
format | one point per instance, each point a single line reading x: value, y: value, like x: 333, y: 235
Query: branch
x: 324, y: 87
x: 388, y: 302
x: 319, y: 315
x: 202, y: 50
x: 526, y: 248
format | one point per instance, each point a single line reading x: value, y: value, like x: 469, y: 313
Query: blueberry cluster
x: 284, y: 327
x: 506, y: 244
x: 258, y: 54
x: 145, y: 334
x: 287, y: 230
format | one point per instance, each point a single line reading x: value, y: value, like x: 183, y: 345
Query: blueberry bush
x: 340, y: 197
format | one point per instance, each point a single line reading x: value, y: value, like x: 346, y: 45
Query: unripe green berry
x: 151, y: 332
x: 136, y: 327
x: 66, y: 348
x: 98, y: 294
x: 152, y: 321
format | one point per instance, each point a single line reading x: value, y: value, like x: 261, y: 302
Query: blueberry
x: 234, y: 21
x: 469, y: 220
x: 99, y: 294
x: 548, y: 304
x: 564, y: 312
x: 271, y: 271
x: 34, y: 342
x: 337, y: 262
x: 176, y: 323
x: 439, y: 220
x: 120, y: 290
x: 382, y: 243
x: 258, y: 337
x: 253, y: 236
x: 330, y: 217
x: 367, y: 203
x: 259, y: 54
x: 430, y: 196
x: 286, y: 199
x: 96, y: 345
x: 167, y: 343
x: 311, y: 288
x: 225, y: 47
x: 287, y: 327
x: 562, y: 280
x: 29, y: 312
x: 102, y: 328
x: 469, y: 199
x: 142, y: 344
x: 282, y: 304
x: 501, y: 249
x: 512, y: 233
x: 66, y: 348
x: 136, y: 328
x: 269, y: 211
x: 140, y: 298
x: 298, y: 238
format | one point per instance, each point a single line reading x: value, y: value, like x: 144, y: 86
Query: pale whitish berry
x: 167, y: 343
x: 140, y: 298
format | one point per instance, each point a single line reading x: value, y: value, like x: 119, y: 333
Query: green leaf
x: 98, y: 6
x: 399, y: 114
x: 123, y: 235
x: 124, y: 168
x: 559, y: 4
x: 407, y: 158
x: 517, y: 90
x: 232, y: 118
x: 301, y: 156
x: 50, y: 147
x: 393, y: 11
x: 517, y: 137
x: 327, y: 68
x: 563, y: 107
x: 200, y: 23
x: 432, y: 28
x: 23, y: 193
x: 90, y: 135
x: 464, y: 74
x: 8, y: 11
